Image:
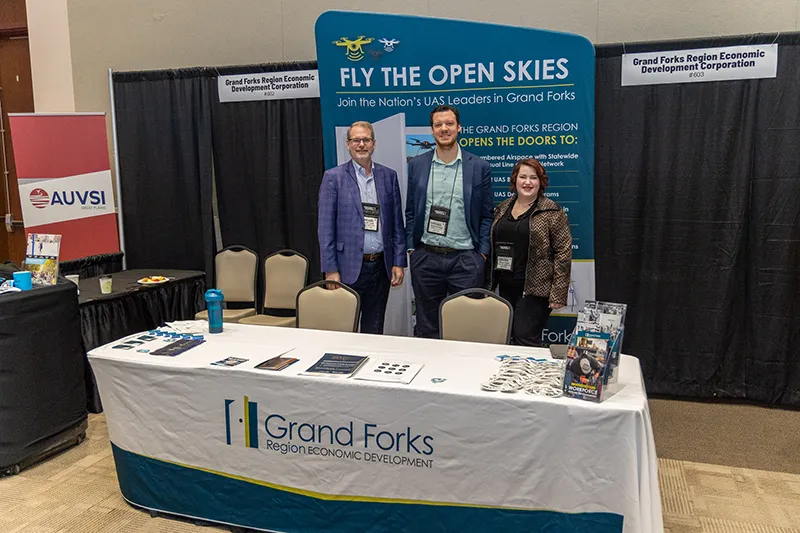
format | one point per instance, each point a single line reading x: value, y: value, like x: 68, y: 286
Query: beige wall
x: 155, y: 34
x: 152, y: 34
x: 51, y: 57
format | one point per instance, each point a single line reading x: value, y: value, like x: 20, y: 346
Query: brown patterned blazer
x: 547, y: 273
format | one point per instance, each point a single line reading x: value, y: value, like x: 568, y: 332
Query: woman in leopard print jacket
x: 531, y: 253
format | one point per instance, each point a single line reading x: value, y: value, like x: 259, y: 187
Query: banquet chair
x: 329, y: 309
x: 236, y: 268
x: 476, y: 315
x: 285, y: 274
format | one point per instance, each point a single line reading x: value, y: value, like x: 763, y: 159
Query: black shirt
x: 517, y: 232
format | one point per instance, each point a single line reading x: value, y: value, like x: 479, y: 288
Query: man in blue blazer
x: 449, y: 216
x: 361, y: 234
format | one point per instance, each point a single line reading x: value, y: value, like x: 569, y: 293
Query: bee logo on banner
x: 354, y: 50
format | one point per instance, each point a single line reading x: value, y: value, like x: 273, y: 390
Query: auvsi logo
x: 354, y: 51
x: 86, y: 199
x: 39, y: 198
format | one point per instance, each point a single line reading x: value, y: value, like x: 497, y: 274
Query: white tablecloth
x: 284, y: 452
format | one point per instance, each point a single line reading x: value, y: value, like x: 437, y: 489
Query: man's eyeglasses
x: 365, y: 140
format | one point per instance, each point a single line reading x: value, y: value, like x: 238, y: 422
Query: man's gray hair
x: 363, y: 124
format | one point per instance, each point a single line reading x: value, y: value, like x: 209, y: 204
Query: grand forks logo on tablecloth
x: 249, y: 419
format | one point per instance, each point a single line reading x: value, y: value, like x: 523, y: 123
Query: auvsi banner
x: 64, y: 178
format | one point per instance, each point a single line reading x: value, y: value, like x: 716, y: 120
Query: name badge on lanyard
x: 439, y: 216
x: 372, y: 213
x: 504, y: 256
x: 438, y: 220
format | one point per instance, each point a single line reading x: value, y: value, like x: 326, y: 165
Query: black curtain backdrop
x: 164, y: 139
x: 92, y: 265
x: 697, y: 202
x: 268, y: 165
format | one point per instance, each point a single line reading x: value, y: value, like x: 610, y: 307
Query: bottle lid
x: 214, y: 295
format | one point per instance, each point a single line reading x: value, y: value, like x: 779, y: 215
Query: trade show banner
x: 520, y: 92
x: 65, y: 181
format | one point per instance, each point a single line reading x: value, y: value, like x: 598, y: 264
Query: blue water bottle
x: 214, y: 305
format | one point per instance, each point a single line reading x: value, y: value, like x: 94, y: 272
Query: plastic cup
x: 22, y: 280
x: 105, y: 284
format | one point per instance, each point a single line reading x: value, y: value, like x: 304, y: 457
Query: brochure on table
x: 336, y: 365
x: 593, y: 354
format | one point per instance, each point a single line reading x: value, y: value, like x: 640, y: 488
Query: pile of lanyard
x: 542, y: 377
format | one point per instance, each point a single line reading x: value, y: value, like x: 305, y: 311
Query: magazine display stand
x: 594, y: 349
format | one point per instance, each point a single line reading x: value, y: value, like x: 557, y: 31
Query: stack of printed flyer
x: 41, y: 257
x: 593, y: 353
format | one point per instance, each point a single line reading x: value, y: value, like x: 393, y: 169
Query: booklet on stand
x: 585, y: 374
x: 604, y: 318
x: 592, y: 339
x: 41, y: 257
x: 336, y: 365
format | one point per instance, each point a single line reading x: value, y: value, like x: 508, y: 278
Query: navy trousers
x: 435, y: 276
x: 372, y: 287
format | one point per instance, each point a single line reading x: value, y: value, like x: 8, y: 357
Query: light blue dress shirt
x: 373, y: 240
x: 446, y: 189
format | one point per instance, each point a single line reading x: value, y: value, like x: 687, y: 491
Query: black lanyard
x: 433, y: 181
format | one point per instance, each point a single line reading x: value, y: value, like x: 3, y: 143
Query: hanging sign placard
x: 704, y: 64
x: 268, y: 86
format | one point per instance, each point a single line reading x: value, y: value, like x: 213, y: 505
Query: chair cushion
x: 269, y: 320
x: 228, y: 315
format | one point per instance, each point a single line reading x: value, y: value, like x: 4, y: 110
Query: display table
x: 42, y: 390
x: 132, y: 307
x: 291, y: 453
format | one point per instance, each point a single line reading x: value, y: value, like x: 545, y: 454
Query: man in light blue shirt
x: 449, y: 216
x: 446, y: 188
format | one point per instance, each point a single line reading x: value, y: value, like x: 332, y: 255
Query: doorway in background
x: 16, y: 96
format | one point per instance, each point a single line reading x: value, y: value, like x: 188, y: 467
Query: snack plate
x: 147, y: 281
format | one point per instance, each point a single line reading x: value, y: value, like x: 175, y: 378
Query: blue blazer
x: 478, y: 202
x: 341, y: 221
